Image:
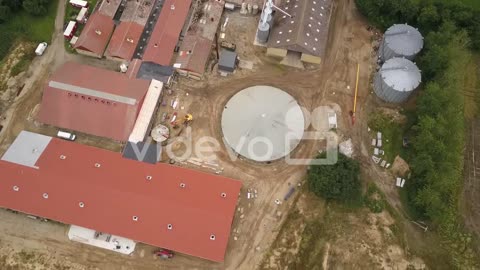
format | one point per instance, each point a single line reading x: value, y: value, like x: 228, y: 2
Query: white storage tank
x: 401, y: 40
x: 396, y: 80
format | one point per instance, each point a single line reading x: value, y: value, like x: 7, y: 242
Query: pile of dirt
x: 400, y: 167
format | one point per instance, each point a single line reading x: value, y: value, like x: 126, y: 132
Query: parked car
x: 41, y: 48
x: 164, y: 253
x: 66, y: 135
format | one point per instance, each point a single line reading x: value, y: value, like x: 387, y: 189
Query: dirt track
x: 258, y: 221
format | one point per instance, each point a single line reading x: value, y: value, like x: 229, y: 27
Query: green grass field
x: 28, y: 27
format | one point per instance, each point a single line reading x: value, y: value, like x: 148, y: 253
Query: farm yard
x: 282, y: 219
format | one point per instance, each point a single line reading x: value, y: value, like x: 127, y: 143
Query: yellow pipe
x: 356, y: 90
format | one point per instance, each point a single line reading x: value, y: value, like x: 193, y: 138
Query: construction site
x: 158, y: 100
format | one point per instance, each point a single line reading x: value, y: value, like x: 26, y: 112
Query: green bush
x: 22, y: 64
x: 338, y: 182
x: 374, y: 199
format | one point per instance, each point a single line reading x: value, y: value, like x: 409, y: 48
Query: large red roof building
x: 93, y: 100
x: 162, y: 205
x: 165, y: 35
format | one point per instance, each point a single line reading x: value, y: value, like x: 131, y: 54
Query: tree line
x: 8, y: 8
x: 428, y: 16
x: 451, y: 30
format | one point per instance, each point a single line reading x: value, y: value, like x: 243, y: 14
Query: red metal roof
x: 194, y: 53
x: 92, y: 100
x: 124, y: 40
x: 133, y: 68
x: 167, y: 30
x: 96, y: 33
x: 117, y: 189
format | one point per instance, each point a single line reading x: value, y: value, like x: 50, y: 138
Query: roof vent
x: 135, y: 218
x: 97, y: 165
x: 16, y: 188
x: 149, y: 177
x: 212, y: 237
x: 224, y: 195
x: 81, y: 204
x: 45, y: 195
x: 182, y: 185
x: 98, y: 32
x: 169, y: 226
x: 62, y: 157
x: 172, y: 7
x: 130, y: 40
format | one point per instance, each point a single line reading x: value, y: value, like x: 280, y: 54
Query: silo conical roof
x: 401, y: 74
x: 402, y: 40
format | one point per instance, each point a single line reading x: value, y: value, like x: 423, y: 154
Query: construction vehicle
x: 187, y: 119
x: 164, y: 253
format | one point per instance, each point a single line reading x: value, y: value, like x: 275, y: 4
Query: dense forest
x: 8, y: 8
x: 452, y: 33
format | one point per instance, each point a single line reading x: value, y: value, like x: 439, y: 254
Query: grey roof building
x: 228, y: 61
x: 305, y: 32
x: 143, y: 152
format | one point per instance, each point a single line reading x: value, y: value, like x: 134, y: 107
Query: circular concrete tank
x: 262, y: 123
x: 396, y: 80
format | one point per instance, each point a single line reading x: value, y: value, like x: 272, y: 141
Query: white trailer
x: 79, y: 3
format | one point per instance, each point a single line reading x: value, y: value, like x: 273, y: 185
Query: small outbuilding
x: 228, y: 61
x: 143, y: 152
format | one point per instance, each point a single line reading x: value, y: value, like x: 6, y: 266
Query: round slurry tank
x: 262, y: 123
x: 396, y: 80
x: 401, y: 40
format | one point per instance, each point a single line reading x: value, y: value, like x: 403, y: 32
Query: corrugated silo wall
x: 386, y: 53
x: 386, y: 93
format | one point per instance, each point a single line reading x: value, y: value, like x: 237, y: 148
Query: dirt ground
x: 25, y: 242
x: 338, y: 238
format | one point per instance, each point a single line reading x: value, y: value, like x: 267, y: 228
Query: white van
x: 41, y: 48
x: 66, y: 135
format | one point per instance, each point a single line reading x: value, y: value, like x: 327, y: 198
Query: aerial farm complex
x: 154, y: 129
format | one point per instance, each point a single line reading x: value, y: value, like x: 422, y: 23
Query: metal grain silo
x: 396, y: 80
x: 401, y: 40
